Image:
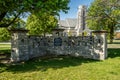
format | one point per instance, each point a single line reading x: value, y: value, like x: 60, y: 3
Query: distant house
x: 74, y: 26
x: 117, y: 31
x: 117, y: 34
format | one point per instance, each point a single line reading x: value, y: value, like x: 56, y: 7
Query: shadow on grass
x: 54, y: 63
x: 114, y: 43
x: 113, y: 52
x: 44, y: 64
x: 5, y: 51
x: 5, y: 54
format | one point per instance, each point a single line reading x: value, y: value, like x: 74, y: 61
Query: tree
x: 4, y: 34
x: 104, y: 14
x: 18, y: 8
x: 19, y: 23
x: 38, y: 25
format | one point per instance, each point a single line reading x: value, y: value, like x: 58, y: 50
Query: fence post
x: 100, y: 45
x: 19, y: 45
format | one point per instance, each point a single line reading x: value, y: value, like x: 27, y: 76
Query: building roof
x: 62, y: 23
x: 68, y: 23
x: 71, y: 22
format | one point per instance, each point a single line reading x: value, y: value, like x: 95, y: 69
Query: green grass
x: 115, y: 44
x: 5, y: 46
x: 65, y: 68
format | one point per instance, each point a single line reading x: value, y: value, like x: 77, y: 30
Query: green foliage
x: 4, y: 34
x: 20, y: 8
x: 18, y: 24
x: 104, y: 15
x: 41, y: 23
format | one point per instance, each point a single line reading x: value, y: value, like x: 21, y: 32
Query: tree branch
x: 6, y: 25
x: 112, y: 19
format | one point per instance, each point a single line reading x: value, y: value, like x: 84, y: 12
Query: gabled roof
x: 62, y: 23
x: 69, y: 23
x: 72, y: 22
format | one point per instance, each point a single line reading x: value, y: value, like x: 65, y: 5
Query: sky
x: 72, y: 13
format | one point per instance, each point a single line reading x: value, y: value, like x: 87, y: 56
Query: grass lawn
x: 4, y: 46
x: 65, y: 68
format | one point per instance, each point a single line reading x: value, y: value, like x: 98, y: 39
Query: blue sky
x: 72, y: 13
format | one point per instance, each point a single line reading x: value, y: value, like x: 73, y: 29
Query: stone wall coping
x: 99, y: 31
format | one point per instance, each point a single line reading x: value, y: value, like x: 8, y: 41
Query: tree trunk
x: 44, y: 33
x: 111, y: 34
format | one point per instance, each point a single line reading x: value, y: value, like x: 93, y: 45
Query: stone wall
x: 26, y: 47
x: 19, y: 45
x: 77, y: 46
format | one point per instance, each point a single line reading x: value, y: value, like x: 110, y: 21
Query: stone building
x: 68, y: 25
x: 75, y: 26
